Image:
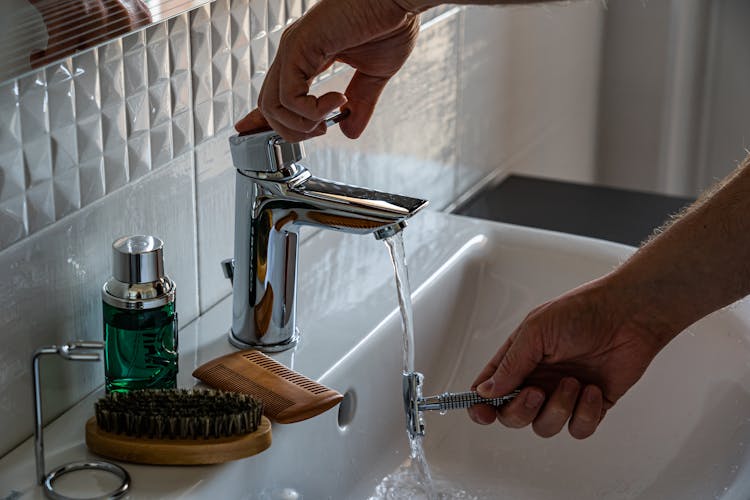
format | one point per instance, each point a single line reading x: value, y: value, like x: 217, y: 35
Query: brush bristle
x: 178, y: 413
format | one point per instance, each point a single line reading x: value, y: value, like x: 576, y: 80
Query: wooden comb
x: 287, y: 395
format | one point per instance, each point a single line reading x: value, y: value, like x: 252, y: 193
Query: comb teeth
x: 282, y: 371
x: 287, y: 395
x: 274, y: 402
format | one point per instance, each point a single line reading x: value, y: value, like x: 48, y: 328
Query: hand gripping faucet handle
x: 268, y: 152
x: 336, y: 117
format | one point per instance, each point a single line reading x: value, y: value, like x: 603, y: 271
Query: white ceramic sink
x: 680, y: 433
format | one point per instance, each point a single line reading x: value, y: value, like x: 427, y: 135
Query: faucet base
x: 281, y: 346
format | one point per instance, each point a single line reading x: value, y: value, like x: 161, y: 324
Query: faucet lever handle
x: 268, y: 152
x: 336, y: 117
x: 264, y: 152
x: 227, y: 266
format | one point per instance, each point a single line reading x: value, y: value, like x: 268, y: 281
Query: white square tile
x: 135, y: 69
x: 222, y: 109
x: 33, y: 108
x: 115, y: 147
x: 240, y: 24
x: 111, y: 79
x: 182, y: 133
x: 161, y: 144
x: 276, y: 15
x: 180, y: 91
x: 60, y: 96
x: 258, y: 18
x: 13, y: 226
x: 179, y: 43
x: 200, y: 53
x: 37, y: 158
x: 89, y: 137
x: 160, y: 102
x: 157, y: 55
x: 40, y: 205
x: 110, y: 51
x: 64, y: 147
x: 92, y: 180
x: 139, y: 154
x: 259, y: 56
x: 12, y: 174
x: 86, y: 82
x: 137, y: 108
x: 67, y: 192
x: 294, y: 10
x: 10, y: 126
x: 203, y: 121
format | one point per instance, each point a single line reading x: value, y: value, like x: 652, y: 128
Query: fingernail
x: 486, y: 387
x: 569, y: 385
x: 591, y: 394
x: 533, y: 399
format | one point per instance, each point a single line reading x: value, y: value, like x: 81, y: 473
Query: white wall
x: 673, y: 100
x: 725, y: 132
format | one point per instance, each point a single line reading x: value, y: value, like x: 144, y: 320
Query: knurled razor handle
x: 461, y: 400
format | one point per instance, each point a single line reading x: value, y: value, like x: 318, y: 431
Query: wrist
x: 646, y: 305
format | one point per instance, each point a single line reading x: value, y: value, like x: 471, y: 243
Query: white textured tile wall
x: 82, y: 128
x: 131, y: 137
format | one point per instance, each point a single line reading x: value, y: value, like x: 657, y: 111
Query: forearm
x: 698, y: 264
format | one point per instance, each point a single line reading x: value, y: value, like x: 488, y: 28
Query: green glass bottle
x: 140, y: 321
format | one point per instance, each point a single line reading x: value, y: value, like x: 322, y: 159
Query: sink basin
x: 679, y: 433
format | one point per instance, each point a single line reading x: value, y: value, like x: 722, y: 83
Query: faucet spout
x: 351, y: 209
x: 275, y: 197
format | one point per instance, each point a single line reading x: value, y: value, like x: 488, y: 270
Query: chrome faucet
x: 275, y: 196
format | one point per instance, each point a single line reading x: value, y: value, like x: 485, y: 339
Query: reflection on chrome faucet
x: 275, y: 196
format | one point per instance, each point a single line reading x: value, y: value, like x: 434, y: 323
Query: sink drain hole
x: 347, y: 409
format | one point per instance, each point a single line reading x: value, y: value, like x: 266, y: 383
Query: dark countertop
x: 618, y: 215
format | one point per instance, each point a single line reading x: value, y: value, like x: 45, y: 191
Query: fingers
x: 558, y: 409
x: 588, y: 413
x: 253, y: 122
x: 362, y: 95
x: 581, y: 408
x: 520, y: 412
x: 512, y: 364
x: 289, y: 109
x: 294, y: 97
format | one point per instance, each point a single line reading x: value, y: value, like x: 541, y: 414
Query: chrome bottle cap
x: 138, y: 280
x: 138, y: 259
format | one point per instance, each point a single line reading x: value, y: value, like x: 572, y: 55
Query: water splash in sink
x: 413, y: 481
